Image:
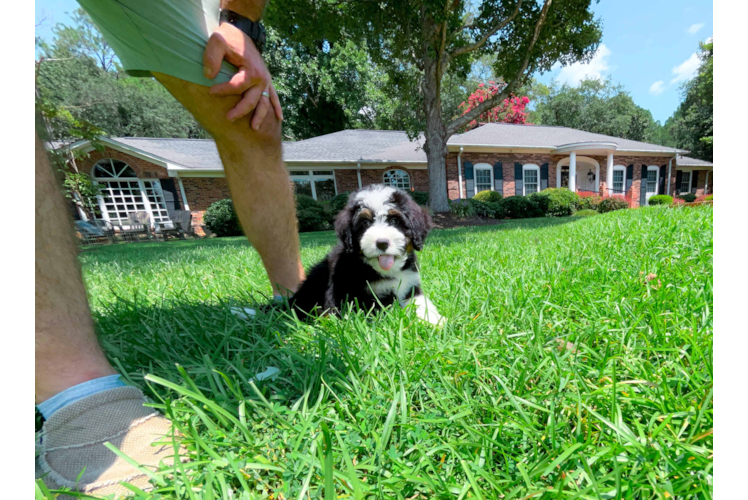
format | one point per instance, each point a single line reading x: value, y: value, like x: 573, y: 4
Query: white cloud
x: 575, y: 73
x: 687, y: 69
x: 657, y: 87
x: 694, y: 28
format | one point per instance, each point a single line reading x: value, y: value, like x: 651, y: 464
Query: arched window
x: 122, y: 193
x: 397, y: 179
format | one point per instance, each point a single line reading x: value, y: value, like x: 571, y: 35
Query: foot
x: 72, y: 440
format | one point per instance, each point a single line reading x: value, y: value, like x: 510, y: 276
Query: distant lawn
x: 388, y: 407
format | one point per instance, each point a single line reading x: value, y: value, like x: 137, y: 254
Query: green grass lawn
x: 567, y: 370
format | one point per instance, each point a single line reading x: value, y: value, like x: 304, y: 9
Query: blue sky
x: 648, y: 46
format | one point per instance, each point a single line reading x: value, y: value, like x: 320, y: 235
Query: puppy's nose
x: 383, y: 244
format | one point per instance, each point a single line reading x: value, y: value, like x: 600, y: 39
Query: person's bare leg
x: 67, y: 351
x: 259, y: 183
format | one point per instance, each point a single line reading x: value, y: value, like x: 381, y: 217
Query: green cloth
x: 163, y: 36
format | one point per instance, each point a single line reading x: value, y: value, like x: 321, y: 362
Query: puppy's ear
x: 344, y: 225
x: 418, y: 218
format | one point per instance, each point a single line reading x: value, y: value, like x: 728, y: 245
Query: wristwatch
x: 252, y: 29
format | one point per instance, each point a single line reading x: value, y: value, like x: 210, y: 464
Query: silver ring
x: 266, y: 95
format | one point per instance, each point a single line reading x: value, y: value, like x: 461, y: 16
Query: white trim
x: 611, y: 187
x: 669, y: 175
x: 459, y: 173
x: 690, y: 179
x: 395, y: 169
x: 647, y: 194
x: 358, y: 175
x: 567, y: 148
x: 706, y: 183
x: 550, y: 149
x: 525, y: 168
x: 482, y: 166
x: 184, y: 195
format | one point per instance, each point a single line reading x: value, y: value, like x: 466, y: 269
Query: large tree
x: 599, y: 106
x: 419, y: 43
x: 692, y: 125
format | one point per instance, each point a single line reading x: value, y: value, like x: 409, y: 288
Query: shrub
x: 709, y: 197
x: 678, y: 201
x: 611, y: 204
x: 661, y: 199
x: 420, y: 197
x: 339, y: 202
x: 221, y: 219
x: 687, y: 197
x: 462, y: 208
x: 588, y: 201
x: 493, y: 210
x: 585, y: 213
x: 703, y: 198
x: 488, y: 196
x: 311, y: 214
x: 522, y: 207
x: 556, y: 202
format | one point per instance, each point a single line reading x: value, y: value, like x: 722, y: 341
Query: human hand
x: 251, y: 80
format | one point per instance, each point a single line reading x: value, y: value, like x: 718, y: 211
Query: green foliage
x: 311, y: 214
x: 611, y: 204
x: 589, y: 202
x: 709, y: 197
x: 339, y: 202
x: 490, y: 209
x: 557, y: 202
x: 599, y: 106
x: 531, y: 366
x: 687, y: 197
x: 488, y: 196
x: 692, y: 125
x: 221, y: 219
x: 661, y: 199
x: 587, y: 212
x: 420, y: 197
x: 462, y: 209
x: 81, y: 190
x: 524, y: 207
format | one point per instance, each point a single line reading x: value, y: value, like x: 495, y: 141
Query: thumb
x: 213, y: 55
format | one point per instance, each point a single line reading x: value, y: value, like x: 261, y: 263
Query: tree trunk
x: 436, y: 138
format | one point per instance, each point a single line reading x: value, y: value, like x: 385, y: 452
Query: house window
x: 483, y: 178
x: 319, y: 184
x: 530, y: 179
x: 397, y: 179
x: 652, y: 179
x: 619, y: 178
x: 122, y: 193
x: 685, y: 182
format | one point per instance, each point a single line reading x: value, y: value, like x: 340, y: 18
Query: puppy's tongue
x: 386, y: 262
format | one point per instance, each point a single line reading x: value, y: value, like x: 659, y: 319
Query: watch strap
x: 254, y: 30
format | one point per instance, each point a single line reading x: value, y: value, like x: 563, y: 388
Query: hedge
x: 488, y: 196
x: 661, y: 199
x: 556, y: 202
x: 221, y: 219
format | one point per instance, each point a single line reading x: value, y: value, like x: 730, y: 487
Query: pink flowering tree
x: 510, y: 110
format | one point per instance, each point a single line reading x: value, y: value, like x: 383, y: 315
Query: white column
x: 609, y: 174
x: 358, y: 174
x: 573, y: 171
x: 184, y: 196
x: 706, y: 183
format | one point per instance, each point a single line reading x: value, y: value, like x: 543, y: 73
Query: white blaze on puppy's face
x: 388, y: 258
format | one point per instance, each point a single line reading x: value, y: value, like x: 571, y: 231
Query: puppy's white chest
x: 400, y: 286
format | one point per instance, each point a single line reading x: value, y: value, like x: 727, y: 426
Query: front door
x: 653, y: 180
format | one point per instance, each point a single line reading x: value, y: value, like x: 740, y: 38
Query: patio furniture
x: 139, y: 226
x: 180, y: 224
x: 96, y: 232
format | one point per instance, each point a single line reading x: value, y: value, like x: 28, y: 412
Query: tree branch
x: 474, y: 113
x: 469, y: 48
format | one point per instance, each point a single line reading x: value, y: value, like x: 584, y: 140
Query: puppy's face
x: 384, y: 225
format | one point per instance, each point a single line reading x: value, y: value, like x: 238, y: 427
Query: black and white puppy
x: 379, y: 232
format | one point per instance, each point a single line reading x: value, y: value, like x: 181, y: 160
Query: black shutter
x: 169, y: 186
x: 543, y: 176
x: 694, y: 180
x: 678, y: 180
x: 518, y: 179
x: 663, y: 174
x: 629, y: 178
x: 498, y: 177
x: 469, y: 180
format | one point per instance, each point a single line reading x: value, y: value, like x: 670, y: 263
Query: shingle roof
x: 685, y: 161
x: 544, y: 136
x: 385, y: 146
x: 191, y: 153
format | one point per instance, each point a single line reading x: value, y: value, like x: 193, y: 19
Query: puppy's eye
x: 393, y: 221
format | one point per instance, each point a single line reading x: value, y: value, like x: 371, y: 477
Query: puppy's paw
x: 426, y: 310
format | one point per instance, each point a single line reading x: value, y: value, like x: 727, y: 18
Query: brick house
x: 513, y: 159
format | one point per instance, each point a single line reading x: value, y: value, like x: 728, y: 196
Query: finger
x: 275, y: 101
x: 260, y: 111
x: 246, y: 105
x: 238, y: 84
x: 214, y: 53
